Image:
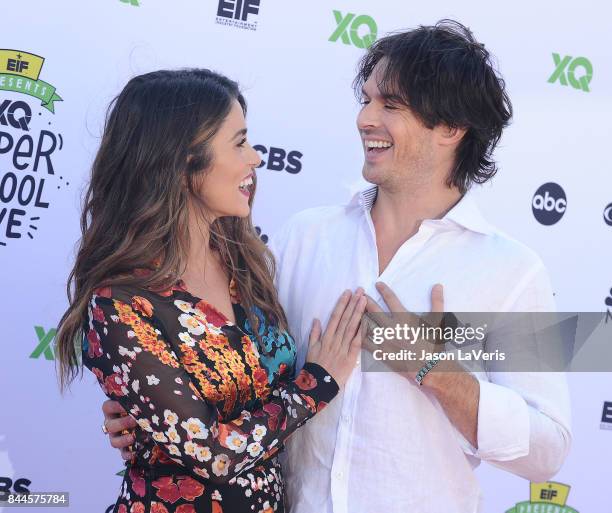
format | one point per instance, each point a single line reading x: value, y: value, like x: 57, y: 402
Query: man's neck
x: 397, y: 215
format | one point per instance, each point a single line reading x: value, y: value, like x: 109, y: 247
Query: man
x: 433, y: 110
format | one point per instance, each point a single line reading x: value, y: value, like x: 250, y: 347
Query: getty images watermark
x: 505, y: 342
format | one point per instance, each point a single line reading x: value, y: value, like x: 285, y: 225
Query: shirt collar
x: 465, y: 213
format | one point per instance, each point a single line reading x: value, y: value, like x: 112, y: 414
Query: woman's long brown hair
x: 157, y: 139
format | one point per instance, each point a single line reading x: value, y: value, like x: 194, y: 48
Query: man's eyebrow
x: 393, y: 98
x: 385, y: 97
x: 240, y: 133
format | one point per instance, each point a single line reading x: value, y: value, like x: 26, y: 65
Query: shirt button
x: 339, y: 475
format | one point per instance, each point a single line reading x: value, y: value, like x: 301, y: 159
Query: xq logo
x: 44, y: 343
x: 348, y: 29
x: 16, y: 114
x: 580, y: 64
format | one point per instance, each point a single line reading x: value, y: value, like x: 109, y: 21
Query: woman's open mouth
x: 246, y: 186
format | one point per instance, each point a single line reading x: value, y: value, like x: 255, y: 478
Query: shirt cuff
x: 320, y: 384
x: 503, y: 423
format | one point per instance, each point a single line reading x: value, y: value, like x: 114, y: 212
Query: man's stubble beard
x: 417, y: 175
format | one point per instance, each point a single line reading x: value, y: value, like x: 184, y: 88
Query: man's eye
x: 242, y: 142
x: 390, y: 107
x: 364, y: 102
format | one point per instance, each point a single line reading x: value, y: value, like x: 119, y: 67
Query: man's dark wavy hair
x: 445, y: 77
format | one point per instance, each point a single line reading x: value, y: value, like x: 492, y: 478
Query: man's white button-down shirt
x: 386, y: 444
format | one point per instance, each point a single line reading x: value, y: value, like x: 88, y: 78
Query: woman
x: 173, y: 292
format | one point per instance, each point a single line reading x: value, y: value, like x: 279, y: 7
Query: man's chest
x: 474, y: 279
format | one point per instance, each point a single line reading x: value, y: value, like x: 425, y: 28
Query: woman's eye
x: 390, y: 107
x: 364, y: 102
x: 242, y: 142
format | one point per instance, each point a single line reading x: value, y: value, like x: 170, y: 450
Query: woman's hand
x: 336, y: 351
x: 120, y: 427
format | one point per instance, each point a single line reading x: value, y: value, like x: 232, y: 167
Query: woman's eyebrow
x: 240, y: 133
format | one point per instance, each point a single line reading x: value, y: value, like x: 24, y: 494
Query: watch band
x: 424, y: 370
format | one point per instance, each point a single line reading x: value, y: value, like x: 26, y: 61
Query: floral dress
x: 213, y: 404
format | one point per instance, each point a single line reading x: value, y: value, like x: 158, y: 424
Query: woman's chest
x: 228, y: 364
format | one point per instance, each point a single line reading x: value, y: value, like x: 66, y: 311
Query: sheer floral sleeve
x: 127, y: 350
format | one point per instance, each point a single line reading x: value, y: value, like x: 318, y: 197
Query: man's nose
x: 368, y: 117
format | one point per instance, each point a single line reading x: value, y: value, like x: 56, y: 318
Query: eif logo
x: 606, y: 415
x: 349, y: 29
x: 548, y: 496
x: 607, y: 215
x: 549, y: 204
x: 576, y: 72
x: 236, y: 13
x: 44, y: 346
x: 135, y: 3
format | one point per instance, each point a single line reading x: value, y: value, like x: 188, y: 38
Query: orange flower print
x: 190, y: 488
x: 103, y: 292
x: 138, y: 483
x: 186, y: 488
x: 167, y: 489
x: 95, y: 349
x: 260, y: 378
x: 310, y: 402
x: 142, y: 305
x: 98, y: 314
x: 305, y: 380
x: 167, y: 374
x: 158, y: 507
x: 213, y: 316
x: 137, y: 507
x: 100, y: 376
x: 266, y: 508
x: 114, y: 385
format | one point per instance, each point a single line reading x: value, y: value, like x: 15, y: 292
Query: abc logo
x: 608, y: 215
x: 549, y: 203
x: 277, y: 159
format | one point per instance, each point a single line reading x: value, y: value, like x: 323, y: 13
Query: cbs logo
x: 18, y: 486
x: 549, y: 203
x: 278, y: 159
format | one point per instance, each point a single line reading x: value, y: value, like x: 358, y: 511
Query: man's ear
x: 449, y: 135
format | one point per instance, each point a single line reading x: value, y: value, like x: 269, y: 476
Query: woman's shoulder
x: 132, y: 298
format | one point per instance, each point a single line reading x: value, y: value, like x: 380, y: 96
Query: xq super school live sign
x: 27, y: 144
